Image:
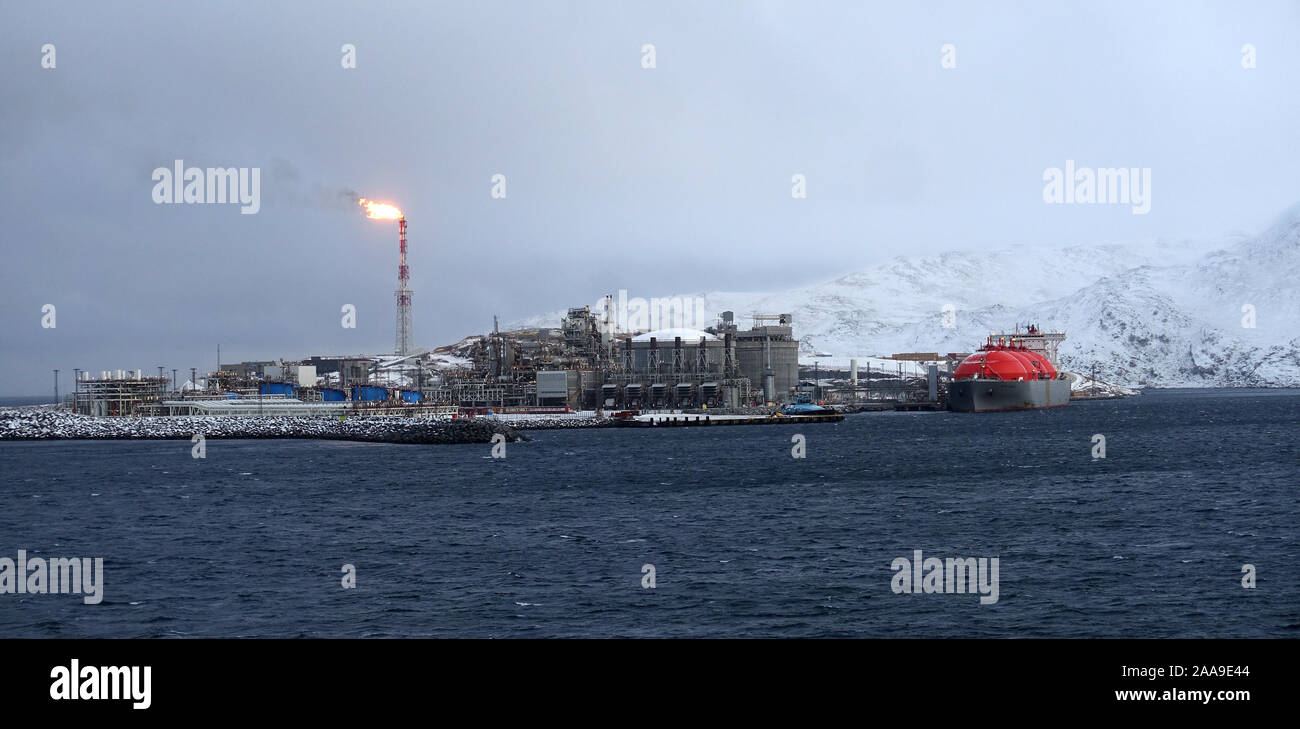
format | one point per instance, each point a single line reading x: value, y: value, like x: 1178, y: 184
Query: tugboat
x: 804, y: 405
x: 627, y: 418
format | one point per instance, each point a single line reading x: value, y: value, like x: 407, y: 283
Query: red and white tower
x: 403, y: 293
x: 388, y: 211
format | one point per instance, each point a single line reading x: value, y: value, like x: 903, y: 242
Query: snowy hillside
x: 1158, y: 313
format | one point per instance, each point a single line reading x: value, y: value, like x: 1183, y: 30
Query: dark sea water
x: 745, y: 539
x: 9, y: 401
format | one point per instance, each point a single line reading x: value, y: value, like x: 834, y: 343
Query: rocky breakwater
x: 554, y: 423
x: 50, y: 424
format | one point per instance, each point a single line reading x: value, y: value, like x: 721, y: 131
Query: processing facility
x: 584, y: 364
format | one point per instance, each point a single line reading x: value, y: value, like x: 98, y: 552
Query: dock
x: 697, y: 420
x: 912, y: 407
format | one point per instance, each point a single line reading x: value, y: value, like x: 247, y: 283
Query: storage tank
x: 369, y: 393
x: 276, y: 388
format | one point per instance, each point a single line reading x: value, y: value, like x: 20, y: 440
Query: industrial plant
x: 593, y: 361
x: 587, y: 363
x: 581, y: 365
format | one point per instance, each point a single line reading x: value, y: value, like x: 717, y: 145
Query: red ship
x: 1010, y: 373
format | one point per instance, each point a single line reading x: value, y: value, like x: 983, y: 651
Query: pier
x: 685, y: 420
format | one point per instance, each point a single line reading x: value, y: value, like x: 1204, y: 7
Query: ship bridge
x: 1033, y: 339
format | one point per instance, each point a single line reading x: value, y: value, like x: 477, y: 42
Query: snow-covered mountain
x: 1158, y: 313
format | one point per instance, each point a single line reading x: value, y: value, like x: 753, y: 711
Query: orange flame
x: 380, y: 211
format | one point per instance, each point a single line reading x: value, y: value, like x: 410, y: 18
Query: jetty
x: 697, y: 420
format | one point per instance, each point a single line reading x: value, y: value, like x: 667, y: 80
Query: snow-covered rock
x: 1157, y: 313
x: 50, y: 424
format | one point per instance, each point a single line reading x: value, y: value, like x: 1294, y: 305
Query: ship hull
x: 977, y: 395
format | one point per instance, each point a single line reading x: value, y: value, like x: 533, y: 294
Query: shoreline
x: 43, y: 424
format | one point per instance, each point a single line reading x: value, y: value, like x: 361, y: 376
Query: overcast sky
x: 665, y: 180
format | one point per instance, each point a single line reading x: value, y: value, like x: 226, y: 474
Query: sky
x: 670, y: 179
